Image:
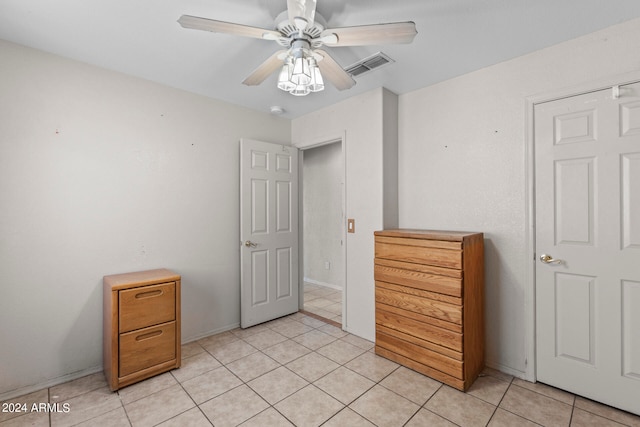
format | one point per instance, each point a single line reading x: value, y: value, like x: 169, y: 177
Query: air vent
x: 369, y: 63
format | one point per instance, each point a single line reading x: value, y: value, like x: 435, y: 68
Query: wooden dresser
x: 430, y: 302
x: 141, y: 325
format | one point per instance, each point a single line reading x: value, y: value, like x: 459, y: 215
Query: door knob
x: 250, y: 244
x: 548, y: 259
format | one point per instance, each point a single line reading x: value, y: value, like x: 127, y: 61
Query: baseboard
x: 49, y: 383
x: 197, y: 337
x: 83, y: 373
x: 326, y: 285
x: 506, y: 369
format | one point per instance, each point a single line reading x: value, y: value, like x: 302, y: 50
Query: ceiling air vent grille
x: 369, y: 63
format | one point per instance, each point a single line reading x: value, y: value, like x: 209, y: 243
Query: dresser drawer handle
x: 148, y: 335
x: 149, y: 294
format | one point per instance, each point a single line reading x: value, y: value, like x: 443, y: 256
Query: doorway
x: 323, y: 240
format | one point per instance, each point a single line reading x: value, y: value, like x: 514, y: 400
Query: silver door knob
x: 548, y: 259
x: 250, y: 244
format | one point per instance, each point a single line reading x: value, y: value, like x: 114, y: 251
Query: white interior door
x: 268, y: 231
x: 587, y: 157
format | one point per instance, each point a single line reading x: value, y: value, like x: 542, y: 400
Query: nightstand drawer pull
x: 149, y: 294
x: 149, y: 335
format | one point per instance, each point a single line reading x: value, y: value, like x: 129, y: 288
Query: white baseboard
x: 209, y: 333
x: 326, y: 285
x: 89, y: 371
x: 506, y: 369
x: 49, y: 383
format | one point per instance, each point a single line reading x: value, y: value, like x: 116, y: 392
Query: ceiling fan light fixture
x: 300, y: 74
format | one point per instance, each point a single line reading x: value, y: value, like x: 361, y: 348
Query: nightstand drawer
x: 147, y: 306
x: 147, y: 347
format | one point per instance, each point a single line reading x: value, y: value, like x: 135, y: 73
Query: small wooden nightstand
x: 141, y: 325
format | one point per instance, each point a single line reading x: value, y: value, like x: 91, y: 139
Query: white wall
x: 361, y: 122
x: 323, y: 172
x: 101, y: 173
x: 462, y: 164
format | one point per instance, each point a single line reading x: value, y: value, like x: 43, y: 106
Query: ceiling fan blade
x: 305, y: 9
x: 395, y: 32
x: 265, y: 69
x: 333, y: 72
x: 197, y: 23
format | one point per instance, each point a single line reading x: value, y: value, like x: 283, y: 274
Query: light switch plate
x: 351, y: 225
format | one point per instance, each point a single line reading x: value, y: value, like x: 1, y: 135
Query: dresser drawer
x: 421, y: 355
x: 146, y: 306
x: 397, y: 249
x: 428, y: 307
x: 147, y: 347
x: 423, y: 331
x: 402, y: 273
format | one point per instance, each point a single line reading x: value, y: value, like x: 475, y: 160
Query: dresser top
x: 452, y: 236
x: 140, y: 278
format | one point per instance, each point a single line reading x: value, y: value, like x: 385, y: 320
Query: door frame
x: 602, y: 83
x: 307, y: 145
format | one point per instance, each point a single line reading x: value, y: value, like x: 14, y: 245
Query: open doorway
x: 323, y: 231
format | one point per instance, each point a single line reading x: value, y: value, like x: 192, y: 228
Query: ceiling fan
x: 302, y: 32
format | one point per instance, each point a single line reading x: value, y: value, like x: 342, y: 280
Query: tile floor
x: 323, y: 301
x: 300, y: 371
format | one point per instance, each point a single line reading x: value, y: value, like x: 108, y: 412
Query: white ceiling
x: 142, y: 38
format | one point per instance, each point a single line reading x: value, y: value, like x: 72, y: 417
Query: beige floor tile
x: 218, y: 340
x: 319, y: 302
x: 244, y: 333
x: 277, y: 385
x: 313, y: 322
x: 211, y: 384
x: 191, y: 418
x: 582, y: 418
x: 312, y: 366
x: 309, y: 407
x: 340, y: 351
x: 411, y: 385
x: 286, y: 351
x: 497, y: 374
x: 607, y: 412
x: 334, y: 307
x: 314, y: 339
x: 252, y: 366
x: 115, y: 418
x: 427, y: 418
x: 488, y: 388
x: 358, y: 342
x: 267, y: 418
x: 77, y: 387
x: 292, y: 329
x: 191, y: 349
x: 348, y: 417
x: 24, y: 404
x: 234, y: 407
x: 547, y: 390
x: 502, y: 418
x: 344, y: 385
x: 145, y: 388
x: 194, y: 366
x: 86, y: 407
x: 460, y: 408
x: 384, y: 408
x: 536, y: 407
x: 332, y: 330
x: 232, y: 351
x: 372, y: 366
x: 158, y: 407
x: 32, y: 419
x: 265, y: 339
